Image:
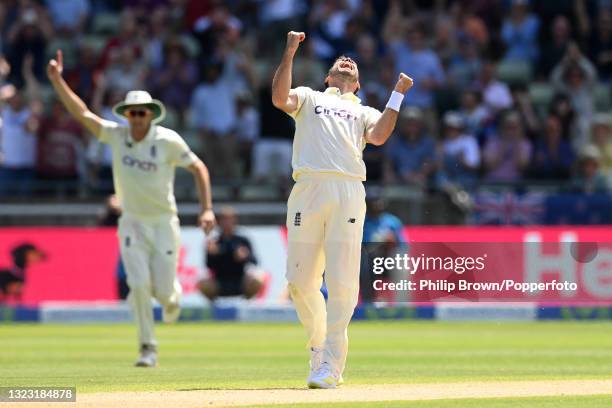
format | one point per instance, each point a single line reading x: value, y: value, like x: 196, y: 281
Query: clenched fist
x: 404, y: 83
x: 294, y: 39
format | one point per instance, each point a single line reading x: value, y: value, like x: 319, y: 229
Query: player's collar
x: 349, y: 96
x: 148, y: 136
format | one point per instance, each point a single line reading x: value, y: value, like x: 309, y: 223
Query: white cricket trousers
x: 325, y: 216
x: 149, y: 251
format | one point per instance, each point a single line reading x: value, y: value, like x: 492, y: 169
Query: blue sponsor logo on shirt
x: 143, y: 165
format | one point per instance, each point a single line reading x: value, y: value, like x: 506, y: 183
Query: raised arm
x: 383, y: 128
x: 75, y: 106
x: 282, y: 97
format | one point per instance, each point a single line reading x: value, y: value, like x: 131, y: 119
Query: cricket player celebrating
x: 144, y: 158
x: 326, y: 208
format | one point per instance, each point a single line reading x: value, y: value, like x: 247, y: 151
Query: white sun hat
x: 141, y: 98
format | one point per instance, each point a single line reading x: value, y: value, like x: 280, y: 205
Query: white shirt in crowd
x: 18, y: 146
x: 143, y: 172
x: 330, y: 131
x: 465, y: 146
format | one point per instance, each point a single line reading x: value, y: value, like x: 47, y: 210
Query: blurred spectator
x: 216, y: 30
x: 524, y: 107
x: 368, y: 58
x: 247, y: 129
x: 473, y: 112
x: 601, y: 137
x: 68, y: 16
x: 60, y: 146
x: 128, y: 35
x: 125, y: 72
x: 561, y: 107
x: 144, y: 8
x: 213, y: 114
x: 496, y: 94
x: 588, y: 178
x: 576, y: 76
x: 507, y: 155
x: 273, y: 152
x: 556, y: 46
x: 459, y: 156
x: 600, y: 44
x: 464, y: 65
x: 412, y: 55
x: 552, y: 154
x: 276, y: 19
x: 445, y: 37
x: 28, y: 36
x: 81, y: 76
x: 330, y: 22
x: 18, y: 142
x: 231, y: 261
x: 308, y: 69
x: 411, y: 153
x: 175, y: 79
x: 520, y: 33
x: 382, y: 237
x: 159, y: 33
x: 13, y: 279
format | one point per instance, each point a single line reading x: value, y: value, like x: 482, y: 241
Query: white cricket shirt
x: 330, y: 131
x: 143, y: 172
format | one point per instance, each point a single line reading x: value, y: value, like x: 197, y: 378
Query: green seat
x: 222, y: 193
x: 255, y: 192
x: 69, y: 51
x: 402, y: 192
x: 95, y: 42
x: 171, y: 120
x: 602, y: 97
x: 105, y: 23
x: 541, y: 95
x: 514, y: 72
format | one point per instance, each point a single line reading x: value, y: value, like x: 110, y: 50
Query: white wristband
x: 395, y: 101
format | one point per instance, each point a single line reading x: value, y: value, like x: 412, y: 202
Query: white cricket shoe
x: 148, y: 356
x: 324, y: 377
x: 171, y: 312
x: 316, y: 358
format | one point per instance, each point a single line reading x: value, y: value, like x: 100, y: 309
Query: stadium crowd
x: 506, y: 91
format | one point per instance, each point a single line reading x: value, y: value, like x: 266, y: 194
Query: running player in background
x: 144, y: 159
x: 326, y: 208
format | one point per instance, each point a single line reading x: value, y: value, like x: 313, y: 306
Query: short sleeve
x: 180, y: 154
x: 371, y: 118
x: 108, y: 131
x: 302, y: 93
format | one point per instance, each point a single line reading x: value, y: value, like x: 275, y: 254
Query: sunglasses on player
x: 137, y: 113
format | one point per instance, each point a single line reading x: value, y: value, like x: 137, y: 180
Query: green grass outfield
x: 211, y: 355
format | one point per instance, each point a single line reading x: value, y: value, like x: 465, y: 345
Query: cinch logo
x: 334, y: 112
x: 142, y: 165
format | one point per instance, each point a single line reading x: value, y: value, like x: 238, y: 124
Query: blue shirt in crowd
x: 421, y: 65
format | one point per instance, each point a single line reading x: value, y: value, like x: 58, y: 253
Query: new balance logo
x: 351, y: 220
x: 297, y: 221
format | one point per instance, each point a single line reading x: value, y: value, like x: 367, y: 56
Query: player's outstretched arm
x: 383, y: 128
x: 206, y: 219
x: 282, y: 97
x: 71, y: 101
